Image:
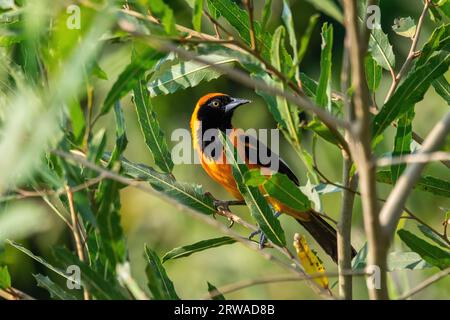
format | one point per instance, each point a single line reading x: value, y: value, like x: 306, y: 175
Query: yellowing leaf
x: 310, y: 261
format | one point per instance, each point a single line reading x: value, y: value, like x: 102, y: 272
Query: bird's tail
x: 324, y: 234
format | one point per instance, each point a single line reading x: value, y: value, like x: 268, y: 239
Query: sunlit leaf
x: 310, y: 261
x: 406, y: 27
x: 5, y: 278
x: 187, y: 74
x: 442, y: 88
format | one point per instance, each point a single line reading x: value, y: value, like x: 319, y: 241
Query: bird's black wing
x: 252, y: 148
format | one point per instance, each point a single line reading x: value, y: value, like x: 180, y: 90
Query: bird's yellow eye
x: 215, y: 104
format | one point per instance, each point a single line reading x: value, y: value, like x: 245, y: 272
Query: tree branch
x: 361, y: 146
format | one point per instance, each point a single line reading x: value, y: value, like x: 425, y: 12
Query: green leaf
x: 431, y: 254
x: 402, y: 143
x: 304, y: 41
x: 373, y: 73
x: 198, y: 13
x: 185, y: 251
x: 323, y: 95
x: 38, y: 259
x: 191, y: 196
x: 395, y: 260
x: 5, y: 278
x: 56, y: 292
x: 411, y: 91
x: 432, y: 236
x: 405, y: 27
x: 288, y: 115
x: 153, y: 135
x: 163, y: 11
x: 322, y: 131
x: 107, y: 199
x: 379, y: 45
x: 254, y: 178
x: 439, y: 40
x: 266, y: 13
x: 429, y: 184
x: 259, y: 208
x: 77, y: 120
x: 213, y: 291
x: 406, y: 261
x: 286, y: 16
x: 94, y: 281
x: 128, y: 79
x: 442, y: 88
x: 159, y: 283
x: 187, y: 74
x: 239, y: 19
x: 280, y: 187
x: 329, y: 8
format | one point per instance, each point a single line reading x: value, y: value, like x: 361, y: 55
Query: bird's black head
x: 215, y: 110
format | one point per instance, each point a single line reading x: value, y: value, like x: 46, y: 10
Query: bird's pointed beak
x: 235, y: 102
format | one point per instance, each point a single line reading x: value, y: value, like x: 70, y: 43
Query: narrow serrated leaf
x: 431, y: 254
x: 187, y: 74
x: 259, y: 208
x: 411, y: 91
x: 159, y: 283
x: 323, y: 94
x: 151, y: 130
x: 402, y: 143
x: 185, y: 251
x: 191, y: 196
x: 56, y: 292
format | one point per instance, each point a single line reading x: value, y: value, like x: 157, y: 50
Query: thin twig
x: 361, y: 146
x: 76, y: 234
x: 233, y: 287
x: 412, y: 52
x: 431, y: 280
x: 14, y: 294
x: 249, y: 6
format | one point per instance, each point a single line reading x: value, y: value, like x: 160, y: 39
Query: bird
x: 213, y: 113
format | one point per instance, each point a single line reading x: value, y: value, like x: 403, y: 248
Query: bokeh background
x: 149, y: 220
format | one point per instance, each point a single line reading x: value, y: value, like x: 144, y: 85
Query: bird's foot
x: 262, y: 238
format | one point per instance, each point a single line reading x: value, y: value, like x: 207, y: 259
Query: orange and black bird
x: 214, y: 111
